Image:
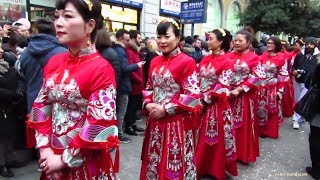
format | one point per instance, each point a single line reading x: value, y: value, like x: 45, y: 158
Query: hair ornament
x: 170, y: 20
x: 223, y: 32
x: 89, y: 4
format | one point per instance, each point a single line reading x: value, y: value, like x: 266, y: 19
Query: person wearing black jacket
x: 124, y: 87
x: 314, y: 143
x: 303, y: 66
x: 8, y: 93
x: 104, y: 47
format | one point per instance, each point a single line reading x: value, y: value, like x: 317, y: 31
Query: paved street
x: 284, y: 158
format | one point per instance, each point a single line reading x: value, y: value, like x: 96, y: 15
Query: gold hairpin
x: 89, y: 4
x: 170, y: 20
x: 223, y: 32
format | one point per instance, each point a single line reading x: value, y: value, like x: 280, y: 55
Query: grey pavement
x: 284, y: 158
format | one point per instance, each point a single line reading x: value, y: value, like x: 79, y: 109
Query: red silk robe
x: 74, y: 114
x: 216, y: 149
x: 275, y: 80
x: 247, y: 71
x: 288, y: 93
x: 168, y: 146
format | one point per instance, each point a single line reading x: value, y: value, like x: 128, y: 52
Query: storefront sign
x: 46, y: 3
x: 12, y: 10
x: 170, y: 7
x: 133, y: 3
x: 193, y: 12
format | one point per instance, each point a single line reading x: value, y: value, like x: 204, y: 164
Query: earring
x: 88, y: 40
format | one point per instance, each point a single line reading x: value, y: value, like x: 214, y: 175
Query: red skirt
x: 211, y: 154
x: 247, y: 136
x: 287, y: 100
x: 168, y: 150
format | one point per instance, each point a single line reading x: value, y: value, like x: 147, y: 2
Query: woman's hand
x: 52, y: 164
x: 236, y: 92
x: 158, y: 113
x: 151, y: 106
x: 44, y: 154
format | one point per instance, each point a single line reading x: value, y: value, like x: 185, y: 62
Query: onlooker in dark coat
x: 303, y: 66
x: 104, y: 46
x: 8, y: 87
x: 314, y: 143
x: 124, y: 88
x: 40, y: 49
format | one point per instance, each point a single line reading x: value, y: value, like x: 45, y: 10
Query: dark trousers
x: 314, y: 146
x: 134, y: 105
x: 6, y: 149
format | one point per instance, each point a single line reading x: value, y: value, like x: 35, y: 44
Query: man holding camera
x: 303, y: 66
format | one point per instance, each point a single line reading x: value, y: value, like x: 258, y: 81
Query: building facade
x: 220, y: 14
x: 142, y: 15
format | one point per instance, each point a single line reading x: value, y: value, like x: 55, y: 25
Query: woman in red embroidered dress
x: 274, y: 83
x: 287, y: 100
x: 216, y: 149
x: 245, y: 81
x: 171, y: 99
x: 74, y: 113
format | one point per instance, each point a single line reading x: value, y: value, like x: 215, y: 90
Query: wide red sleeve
x: 283, y: 74
x: 41, y: 114
x: 189, y: 97
x: 100, y: 129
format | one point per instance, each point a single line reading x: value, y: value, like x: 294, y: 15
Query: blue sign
x: 168, y: 12
x: 133, y: 3
x: 193, y: 12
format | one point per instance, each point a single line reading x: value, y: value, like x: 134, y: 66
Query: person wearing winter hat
x: 23, y: 26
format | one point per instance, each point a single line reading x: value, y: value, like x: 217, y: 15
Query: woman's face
x: 271, y: 46
x: 70, y: 27
x: 168, y: 42
x: 240, y: 43
x: 213, y: 42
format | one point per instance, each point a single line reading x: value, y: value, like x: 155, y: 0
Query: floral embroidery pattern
x: 175, y: 157
x: 211, y: 134
x: 229, y: 135
x: 102, y: 105
x: 190, y: 173
x: 240, y: 73
x: 155, y: 149
x: 226, y: 77
x: 164, y: 87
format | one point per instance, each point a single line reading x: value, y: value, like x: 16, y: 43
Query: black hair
x: 85, y: 12
x: 277, y: 43
x: 182, y: 38
x: 133, y: 34
x: 17, y: 39
x: 45, y: 26
x: 225, y: 37
x: 247, y: 35
x: 189, y: 40
x: 120, y: 33
x: 164, y: 26
x: 204, y: 45
x: 196, y: 36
